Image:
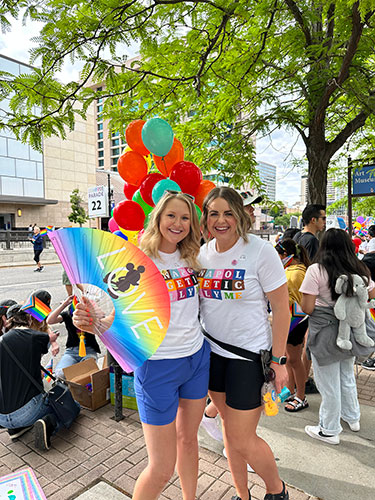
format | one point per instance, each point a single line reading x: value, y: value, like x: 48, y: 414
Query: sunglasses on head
x: 171, y: 191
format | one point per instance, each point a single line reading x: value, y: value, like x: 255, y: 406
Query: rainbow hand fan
x: 138, y: 291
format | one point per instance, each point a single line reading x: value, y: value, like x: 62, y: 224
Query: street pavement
x: 100, y: 458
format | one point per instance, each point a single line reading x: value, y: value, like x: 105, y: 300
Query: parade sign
x: 98, y: 201
x: 364, y: 180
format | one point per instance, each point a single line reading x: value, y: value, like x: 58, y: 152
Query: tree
x: 78, y: 214
x: 234, y: 68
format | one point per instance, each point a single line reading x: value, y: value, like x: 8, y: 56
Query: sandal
x: 290, y: 398
x: 297, y: 404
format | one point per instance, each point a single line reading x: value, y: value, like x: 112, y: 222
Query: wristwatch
x: 279, y: 361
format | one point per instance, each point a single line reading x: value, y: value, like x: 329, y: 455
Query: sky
x: 277, y: 149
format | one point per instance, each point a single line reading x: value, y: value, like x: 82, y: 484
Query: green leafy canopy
x: 219, y: 71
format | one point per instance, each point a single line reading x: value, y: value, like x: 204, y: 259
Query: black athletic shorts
x: 240, y: 380
x: 37, y: 255
x: 297, y: 335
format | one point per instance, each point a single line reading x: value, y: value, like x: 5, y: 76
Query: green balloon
x: 199, y: 212
x: 145, y: 206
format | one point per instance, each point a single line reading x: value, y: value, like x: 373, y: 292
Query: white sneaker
x: 211, y: 426
x: 315, y: 432
x: 249, y: 469
x: 355, y: 426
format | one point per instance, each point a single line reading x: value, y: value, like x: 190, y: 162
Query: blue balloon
x: 121, y: 234
x: 161, y: 187
x: 157, y: 136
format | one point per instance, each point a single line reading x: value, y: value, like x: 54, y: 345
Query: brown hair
x: 235, y: 203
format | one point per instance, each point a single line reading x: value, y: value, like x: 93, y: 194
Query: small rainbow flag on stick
x: 49, y: 368
x: 73, y: 305
x: 50, y: 228
x: 38, y: 309
x: 43, y: 232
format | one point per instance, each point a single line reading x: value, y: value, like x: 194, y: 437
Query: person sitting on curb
x: 72, y: 351
x: 22, y: 405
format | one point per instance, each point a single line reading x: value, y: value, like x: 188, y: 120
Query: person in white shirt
x: 240, y: 273
x: 171, y: 387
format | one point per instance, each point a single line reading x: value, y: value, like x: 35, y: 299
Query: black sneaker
x: 310, y: 387
x: 369, y: 364
x: 236, y: 497
x: 36, y: 270
x: 44, y: 428
x: 41, y: 269
x: 18, y: 432
x: 284, y: 495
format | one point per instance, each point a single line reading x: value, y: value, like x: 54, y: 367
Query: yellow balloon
x: 132, y: 236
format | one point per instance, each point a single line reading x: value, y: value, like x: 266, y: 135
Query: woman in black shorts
x: 239, y: 274
x: 296, y: 261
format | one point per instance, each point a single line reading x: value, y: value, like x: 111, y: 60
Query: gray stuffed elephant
x: 351, y: 312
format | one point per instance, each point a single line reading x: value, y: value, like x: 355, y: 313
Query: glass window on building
x: 100, y: 145
x: 7, y: 166
x: 9, y: 66
x: 100, y: 126
x: 115, y: 152
x: 33, y: 188
x: 18, y: 149
x: 115, y: 142
x: 11, y: 186
x: 3, y: 147
x: 114, y: 169
x: 100, y: 135
x: 101, y: 163
x: 99, y: 108
x: 35, y: 155
x: 115, y: 134
x: 39, y: 171
x: 25, y: 168
x: 114, y: 161
x: 101, y: 153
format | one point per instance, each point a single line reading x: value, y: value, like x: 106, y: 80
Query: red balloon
x: 129, y: 215
x: 133, y: 135
x: 204, y: 188
x: 166, y: 163
x: 132, y: 167
x: 146, y: 187
x: 129, y: 190
x: 187, y: 175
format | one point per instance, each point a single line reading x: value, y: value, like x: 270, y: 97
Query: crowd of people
x: 247, y: 298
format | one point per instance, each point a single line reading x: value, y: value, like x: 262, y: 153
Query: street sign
x: 364, y: 180
x: 98, y: 201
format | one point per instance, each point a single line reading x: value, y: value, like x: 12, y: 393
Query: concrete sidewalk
x: 100, y: 455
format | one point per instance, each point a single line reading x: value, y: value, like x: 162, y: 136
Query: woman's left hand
x: 281, y: 376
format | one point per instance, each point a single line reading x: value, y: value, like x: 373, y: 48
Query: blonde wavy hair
x: 189, y: 246
x: 235, y: 203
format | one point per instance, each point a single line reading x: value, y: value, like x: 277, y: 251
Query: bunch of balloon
x: 153, y: 141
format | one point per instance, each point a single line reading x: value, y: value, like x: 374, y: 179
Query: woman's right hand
x: 88, y: 317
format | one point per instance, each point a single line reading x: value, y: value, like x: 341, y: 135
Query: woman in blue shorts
x: 239, y: 274
x: 171, y: 387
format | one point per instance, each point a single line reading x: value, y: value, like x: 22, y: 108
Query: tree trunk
x: 318, y: 159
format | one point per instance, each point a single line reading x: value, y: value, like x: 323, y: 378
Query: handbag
x: 58, y: 397
x: 264, y: 356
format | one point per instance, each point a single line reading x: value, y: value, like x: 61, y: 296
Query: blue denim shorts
x: 160, y: 383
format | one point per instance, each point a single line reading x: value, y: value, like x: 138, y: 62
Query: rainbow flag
x: 372, y: 312
x: 73, y: 305
x: 38, y: 309
x: 296, y: 315
x: 50, y: 228
x: 49, y: 368
x: 43, y: 232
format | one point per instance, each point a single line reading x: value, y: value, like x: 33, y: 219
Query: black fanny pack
x: 263, y: 357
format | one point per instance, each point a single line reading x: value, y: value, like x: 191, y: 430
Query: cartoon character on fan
x: 123, y: 283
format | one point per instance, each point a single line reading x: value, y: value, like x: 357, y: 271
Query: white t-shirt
x: 232, y: 292
x: 184, y: 336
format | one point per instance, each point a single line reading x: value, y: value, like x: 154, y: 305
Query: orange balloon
x: 204, y: 188
x: 133, y: 135
x: 132, y: 167
x: 167, y: 162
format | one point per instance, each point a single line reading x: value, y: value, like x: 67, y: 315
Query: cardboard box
x: 87, y: 372
x: 128, y: 394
